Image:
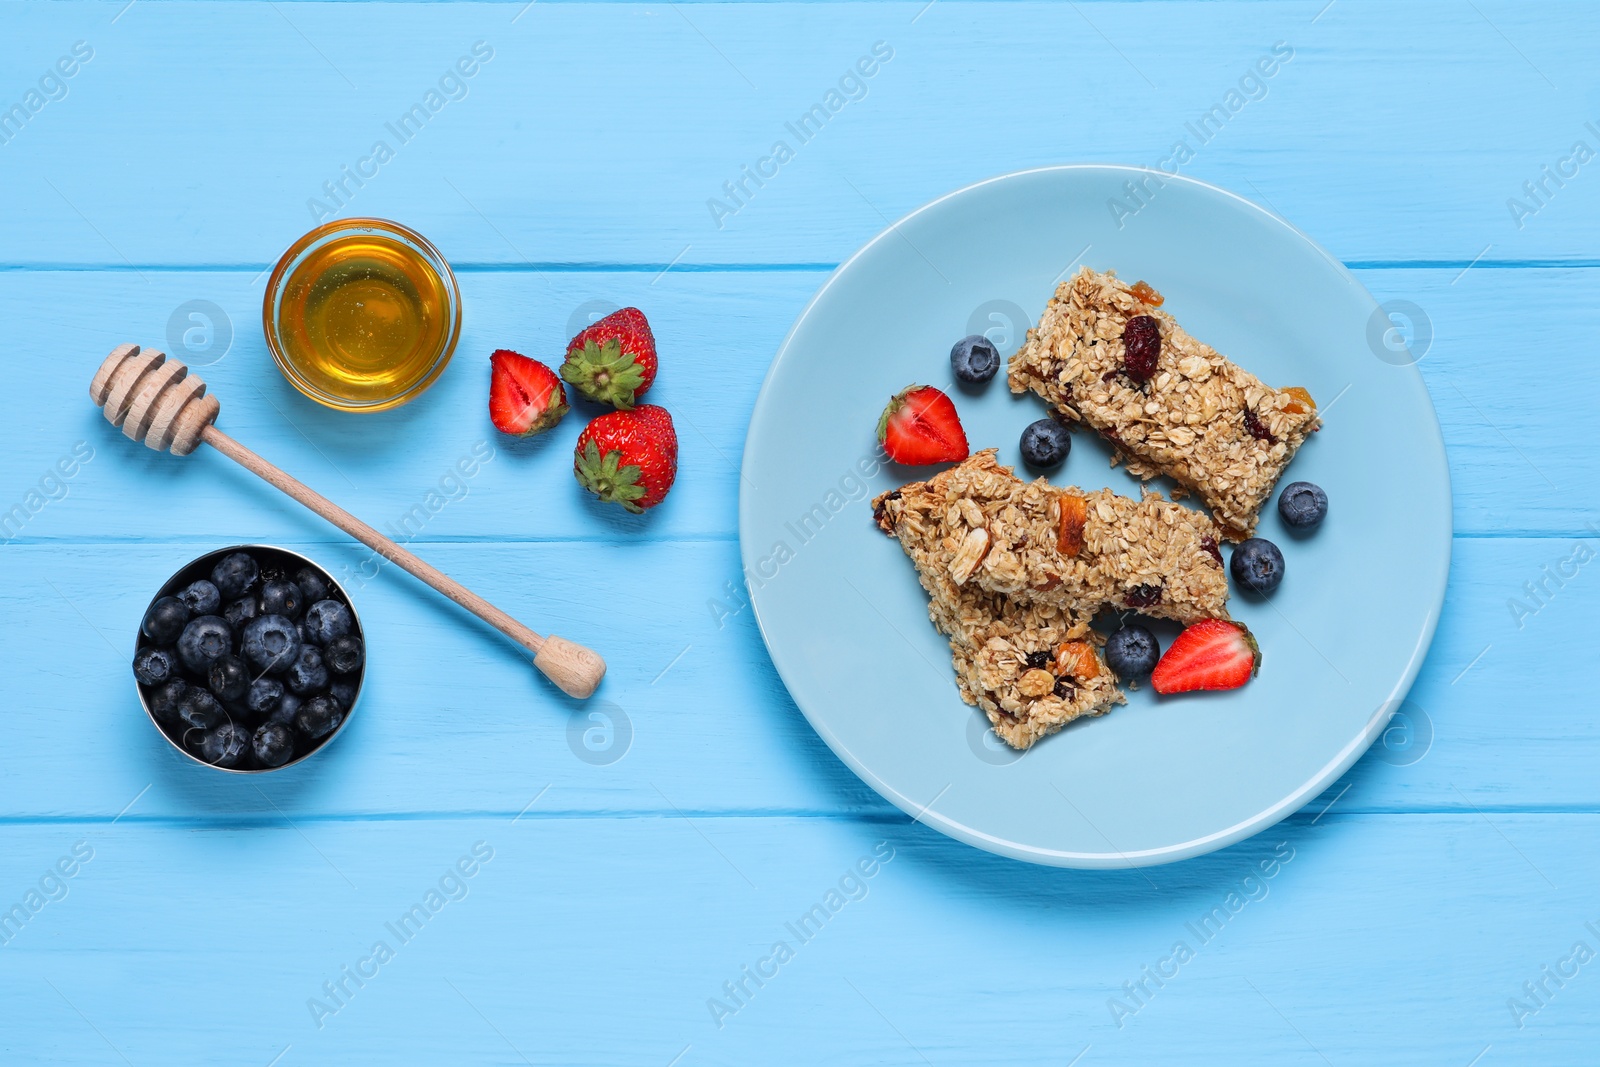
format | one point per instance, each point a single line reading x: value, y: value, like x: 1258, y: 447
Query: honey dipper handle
x: 574, y: 668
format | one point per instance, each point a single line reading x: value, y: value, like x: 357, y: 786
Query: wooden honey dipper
x: 156, y: 400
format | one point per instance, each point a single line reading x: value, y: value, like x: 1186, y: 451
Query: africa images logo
x: 51, y: 86
x: 851, y: 86
x: 852, y: 885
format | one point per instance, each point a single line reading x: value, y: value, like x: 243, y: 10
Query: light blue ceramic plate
x: 1159, y: 779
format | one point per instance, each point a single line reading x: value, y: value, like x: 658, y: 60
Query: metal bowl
x: 267, y: 557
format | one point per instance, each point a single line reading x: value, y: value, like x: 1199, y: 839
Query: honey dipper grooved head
x: 154, y: 399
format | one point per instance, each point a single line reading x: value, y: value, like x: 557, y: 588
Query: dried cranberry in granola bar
x: 1183, y: 410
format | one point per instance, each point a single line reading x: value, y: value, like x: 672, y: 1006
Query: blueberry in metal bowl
x: 262, y: 683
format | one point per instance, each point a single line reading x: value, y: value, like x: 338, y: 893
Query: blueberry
x: 974, y: 359
x: 1132, y: 653
x: 201, y: 598
x: 288, y: 707
x: 200, y: 710
x: 234, y: 574
x: 319, y: 716
x: 1257, y: 565
x: 152, y: 666
x: 271, y: 643
x: 165, y: 620
x: 228, y: 678
x: 203, y: 640
x: 226, y: 745
x: 238, y: 710
x: 1045, y: 444
x: 241, y: 611
x: 273, y: 744
x: 1302, y: 505
x: 164, y: 699
x: 327, y: 619
x: 344, y: 692
x: 282, y: 598
x: 345, y: 654
x: 264, y: 696
x: 313, y: 586
x: 309, y: 673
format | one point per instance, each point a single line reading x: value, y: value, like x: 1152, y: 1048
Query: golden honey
x: 362, y: 317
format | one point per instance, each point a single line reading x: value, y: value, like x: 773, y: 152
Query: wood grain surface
x: 636, y: 859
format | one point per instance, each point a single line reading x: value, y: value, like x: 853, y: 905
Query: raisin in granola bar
x: 1104, y: 354
x: 983, y: 526
x: 1031, y: 668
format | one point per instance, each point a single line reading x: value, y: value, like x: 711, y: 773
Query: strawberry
x: 628, y: 457
x: 614, y: 360
x: 657, y: 417
x: 525, y: 396
x: 920, y: 426
x: 1211, y: 654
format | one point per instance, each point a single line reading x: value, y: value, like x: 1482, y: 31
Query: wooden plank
x: 1516, y: 467
x: 717, y: 334
x: 161, y: 153
x: 1409, y: 907
x: 456, y: 720
x: 171, y: 945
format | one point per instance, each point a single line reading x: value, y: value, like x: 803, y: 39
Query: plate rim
x: 1113, y: 860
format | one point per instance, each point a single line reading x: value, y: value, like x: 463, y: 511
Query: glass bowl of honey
x: 362, y: 314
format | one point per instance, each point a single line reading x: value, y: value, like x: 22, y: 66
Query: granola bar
x: 1078, y: 551
x: 1176, y: 407
x: 1031, y: 668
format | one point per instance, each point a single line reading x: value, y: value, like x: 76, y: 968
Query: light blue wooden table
x: 628, y: 879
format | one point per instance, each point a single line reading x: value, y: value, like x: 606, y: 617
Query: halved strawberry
x: 1211, y: 654
x: 525, y: 396
x: 613, y: 361
x: 920, y: 426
